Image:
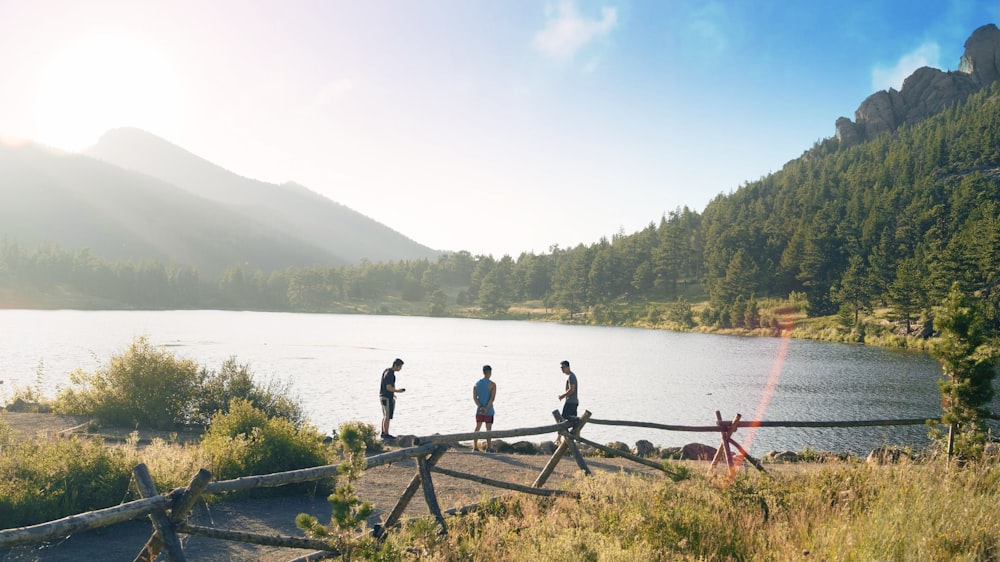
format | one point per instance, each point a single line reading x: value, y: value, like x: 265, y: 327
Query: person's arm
x: 392, y: 388
x: 475, y: 398
x: 569, y: 391
x: 493, y: 395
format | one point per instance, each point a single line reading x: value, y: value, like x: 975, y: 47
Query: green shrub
x: 234, y: 380
x: 353, y: 434
x: 151, y: 388
x: 47, y: 479
x: 245, y: 441
x: 145, y: 386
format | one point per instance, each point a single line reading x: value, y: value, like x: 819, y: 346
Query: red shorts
x: 484, y: 418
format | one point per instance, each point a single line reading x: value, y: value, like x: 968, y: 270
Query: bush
x: 151, y: 388
x: 234, y: 380
x: 145, y: 386
x: 245, y: 441
x: 353, y: 434
x: 47, y: 479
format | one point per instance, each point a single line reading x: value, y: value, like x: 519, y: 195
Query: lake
x: 333, y: 364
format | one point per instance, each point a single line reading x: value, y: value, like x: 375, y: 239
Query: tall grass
x: 902, y: 512
x: 48, y: 478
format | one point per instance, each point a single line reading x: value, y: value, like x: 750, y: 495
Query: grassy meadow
x: 841, y: 511
x: 929, y: 509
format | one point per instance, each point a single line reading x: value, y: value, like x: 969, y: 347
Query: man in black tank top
x: 387, y: 395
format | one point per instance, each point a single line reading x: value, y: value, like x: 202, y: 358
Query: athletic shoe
x: 386, y: 436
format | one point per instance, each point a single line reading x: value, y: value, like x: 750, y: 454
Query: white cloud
x: 566, y: 31
x: 884, y: 78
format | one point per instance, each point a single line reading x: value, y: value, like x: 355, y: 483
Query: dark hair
x: 564, y: 364
x: 398, y: 361
x: 487, y: 369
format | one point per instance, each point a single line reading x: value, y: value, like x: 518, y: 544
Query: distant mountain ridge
x: 78, y: 203
x: 289, y: 208
x: 137, y: 197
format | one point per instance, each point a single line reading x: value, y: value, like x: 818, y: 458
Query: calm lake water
x: 333, y: 363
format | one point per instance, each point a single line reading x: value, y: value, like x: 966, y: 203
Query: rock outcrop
x: 926, y: 92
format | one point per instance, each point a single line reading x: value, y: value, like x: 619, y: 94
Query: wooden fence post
x: 582, y: 421
x: 727, y: 429
x: 747, y: 456
x: 411, y: 488
x: 178, y: 513
x: 429, y: 496
x: 162, y: 524
x: 560, y: 450
x: 553, y: 460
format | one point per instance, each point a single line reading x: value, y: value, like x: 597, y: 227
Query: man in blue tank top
x: 484, y: 393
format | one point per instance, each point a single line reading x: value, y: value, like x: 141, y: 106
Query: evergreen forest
x: 891, y: 224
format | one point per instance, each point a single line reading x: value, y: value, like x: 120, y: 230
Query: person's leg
x: 489, y: 440
x: 568, y: 413
x: 387, y: 407
x: 475, y: 442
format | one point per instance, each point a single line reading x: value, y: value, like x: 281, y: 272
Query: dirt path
x: 381, y: 486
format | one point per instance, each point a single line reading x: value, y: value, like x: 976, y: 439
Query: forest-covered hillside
x: 895, y: 220
x: 889, y: 223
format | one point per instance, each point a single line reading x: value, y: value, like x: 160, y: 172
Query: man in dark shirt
x: 387, y: 395
x: 571, y: 395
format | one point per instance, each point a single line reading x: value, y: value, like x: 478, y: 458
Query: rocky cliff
x: 926, y: 91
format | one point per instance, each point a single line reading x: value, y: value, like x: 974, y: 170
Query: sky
x: 496, y: 127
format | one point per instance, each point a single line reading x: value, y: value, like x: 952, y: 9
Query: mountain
x: 289, y: 208
x: 926, y: 92
x: 137, y: 197
x: 78, y: 202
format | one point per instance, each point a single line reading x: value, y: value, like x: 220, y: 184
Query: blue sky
x: 494, y: 127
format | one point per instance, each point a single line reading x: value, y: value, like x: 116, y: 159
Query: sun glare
x: 102, y: 83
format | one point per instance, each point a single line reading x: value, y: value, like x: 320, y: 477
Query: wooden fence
x: 169, y: 511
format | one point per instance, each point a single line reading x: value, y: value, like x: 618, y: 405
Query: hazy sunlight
x: 104, y: 82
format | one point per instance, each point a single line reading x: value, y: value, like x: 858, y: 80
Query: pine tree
x: 968, y: 362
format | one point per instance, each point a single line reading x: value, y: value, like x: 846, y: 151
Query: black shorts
x: 388, y: 406
x: 569, y: 410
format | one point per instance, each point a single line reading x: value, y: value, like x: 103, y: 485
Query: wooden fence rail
x: 82, y: 522
x: 716, y: 428
x: 497, y: 434
x: 144, y: 507
x: 169, y: 510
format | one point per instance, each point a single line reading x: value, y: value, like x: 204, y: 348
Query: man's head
x: 487, y: 371
x: 564, y: 366
x: 397, y: 364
